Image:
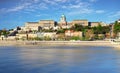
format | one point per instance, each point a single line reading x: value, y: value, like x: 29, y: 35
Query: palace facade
x: 51, y: 24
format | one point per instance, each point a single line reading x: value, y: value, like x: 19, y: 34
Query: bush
x: 75, y: 38
x: 38, y: 38
x: 60, y: 31
x: 47, y: 38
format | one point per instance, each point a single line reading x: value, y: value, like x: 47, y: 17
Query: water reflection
x: 59, y: 59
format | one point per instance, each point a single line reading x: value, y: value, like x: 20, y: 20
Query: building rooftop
x: 46, y: 20
x: 62, y: 15
x: 94, y: 22
x: 80, y: 20
x: 32, y: 22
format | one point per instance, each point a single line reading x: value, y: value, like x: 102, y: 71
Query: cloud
x: 33, y: 5
x: 93, y: 0
x: 99, y: 11
x: 75, y: 7
x: 38, y: 15
x: 85, y: 11
x: 117, y: 14
x: 114, y: 14
x: 36, y: 1
x: 82, y: 11
x: 19, y: 7
x: 27, y: 5
x: 43, y: 5
x: 50, y: 2
x: 80, y: 5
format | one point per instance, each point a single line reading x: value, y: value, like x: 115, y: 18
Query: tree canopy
x: 116, y: 27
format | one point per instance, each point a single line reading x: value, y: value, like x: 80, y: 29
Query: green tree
x: 116, y: 27
x: 75, y: 38
x: 5, y: 32
x: 77, y: 27
x: 0, y: 32
x: 100, y: 29
x: 106, y: 29
x: 60, y: 31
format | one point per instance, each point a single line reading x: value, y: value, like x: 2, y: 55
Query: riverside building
x: 63, y: 24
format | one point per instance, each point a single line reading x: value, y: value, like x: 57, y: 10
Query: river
x: 59, y: 59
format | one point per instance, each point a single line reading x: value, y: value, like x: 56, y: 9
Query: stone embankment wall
x: 42, y: 43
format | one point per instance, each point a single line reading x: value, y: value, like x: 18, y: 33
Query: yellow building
x: 80, y: 22
x: 44, y: 24
x: 94, y: 24
x: 31, y: 26
x: 70, y: 33
x: 47, y: 24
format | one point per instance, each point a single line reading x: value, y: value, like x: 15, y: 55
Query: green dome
x: 63, y: 15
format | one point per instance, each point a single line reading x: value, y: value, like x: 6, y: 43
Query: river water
x: 59, y: 59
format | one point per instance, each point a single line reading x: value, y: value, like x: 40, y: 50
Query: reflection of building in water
x: 36, y: 53
x: 40, y: 56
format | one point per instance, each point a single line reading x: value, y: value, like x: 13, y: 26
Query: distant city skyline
x: 15, y: 13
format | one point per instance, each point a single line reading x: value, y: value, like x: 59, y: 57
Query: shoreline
x: 55, y: 43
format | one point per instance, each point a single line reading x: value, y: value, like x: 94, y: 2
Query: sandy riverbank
x: 49, y: 43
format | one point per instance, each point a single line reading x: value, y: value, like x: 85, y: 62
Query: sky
x: 15, y: 13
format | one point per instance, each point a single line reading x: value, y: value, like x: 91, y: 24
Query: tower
x: 63, y: 20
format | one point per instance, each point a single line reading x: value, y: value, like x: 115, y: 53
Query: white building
x: 46, y: 34
x: 119, y: 35
x: 118, y: 21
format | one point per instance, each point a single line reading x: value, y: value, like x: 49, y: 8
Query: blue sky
x: 15, y: 13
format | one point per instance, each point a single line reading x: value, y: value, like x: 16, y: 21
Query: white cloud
x: 38, y: 15
x: 20, y: 7
x: 26, y: 6
x: 16, y: 8
x: 61, y: 1
x: 36, y: 1
x: 99, y: 11
x: 50, y: 2
x: 82, y: 5
x: 75, y: 7
x: 82, y: 11
x: 43, y: 6
x: 93, y: 0
x: 85, y: 11
x: 116, y: 14
x: 32, y: 5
